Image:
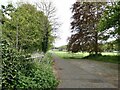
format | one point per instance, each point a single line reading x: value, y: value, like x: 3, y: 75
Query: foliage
x: 111, y: 19
x: 49, y: 27
x: 110, y: 46
x: 9, y: 67
x: 42, y: 78
x: 85, y: 18
x: 25, y: 27
x: 47, y: 59
x: 21, y: 72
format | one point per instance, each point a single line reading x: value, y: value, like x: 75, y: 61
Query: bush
x: 20, y: 71
x: 41, y: 76
x: 9, y: 67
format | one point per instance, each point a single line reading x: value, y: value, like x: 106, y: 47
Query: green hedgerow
x: 19, y: 71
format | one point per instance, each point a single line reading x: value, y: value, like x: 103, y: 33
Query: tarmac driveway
x: 86, y: 73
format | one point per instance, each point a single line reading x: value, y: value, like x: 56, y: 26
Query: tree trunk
x: 45, y: 42
x: 96, y: 42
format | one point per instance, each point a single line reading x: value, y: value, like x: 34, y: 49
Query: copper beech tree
x: 84, y: 25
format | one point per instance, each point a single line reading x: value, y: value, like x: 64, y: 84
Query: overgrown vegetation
x: 27, y: 28
x: 19, y: 71
x: 24, y: 32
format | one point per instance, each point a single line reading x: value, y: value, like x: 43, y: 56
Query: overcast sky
x: 63, y: 13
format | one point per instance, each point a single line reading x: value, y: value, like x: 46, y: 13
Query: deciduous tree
x: 85, y: 18
x: 24, y: 27
x: 111, y: 19
x: 50, y: 24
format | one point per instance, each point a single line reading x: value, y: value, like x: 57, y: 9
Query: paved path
x: 86, y: 74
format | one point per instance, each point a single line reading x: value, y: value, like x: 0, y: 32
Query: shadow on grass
x: 99, y: 57
x: 72, y: 57
x: 105, y: 58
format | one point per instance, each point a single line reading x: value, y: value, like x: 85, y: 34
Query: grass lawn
x: 106, y: 56
x: 67, y: 55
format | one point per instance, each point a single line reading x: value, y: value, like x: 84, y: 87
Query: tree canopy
x: 25, y: 27
x: 85, y: 18
x: 93, y: 24
x: 111, y: 19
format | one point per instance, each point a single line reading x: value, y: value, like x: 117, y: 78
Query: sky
x: 63, y: 13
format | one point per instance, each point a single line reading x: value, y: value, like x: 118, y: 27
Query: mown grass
x: 106, y: 56
x: 68, y: 55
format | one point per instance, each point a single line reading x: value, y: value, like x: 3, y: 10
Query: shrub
x: 42, y: 78
x: 20, y: 71
x: 9, y: 70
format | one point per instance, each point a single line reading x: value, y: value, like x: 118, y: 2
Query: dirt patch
x: 55, y: 70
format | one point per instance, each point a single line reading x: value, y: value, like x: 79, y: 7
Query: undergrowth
x: 20, y: 71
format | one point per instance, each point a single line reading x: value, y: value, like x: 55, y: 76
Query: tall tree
x: 85, y: 18
x: 49, y: 27
x: 24, y: 28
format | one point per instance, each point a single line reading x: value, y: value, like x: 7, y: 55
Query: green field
x: 67, y: 55
x: 106, y: 56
